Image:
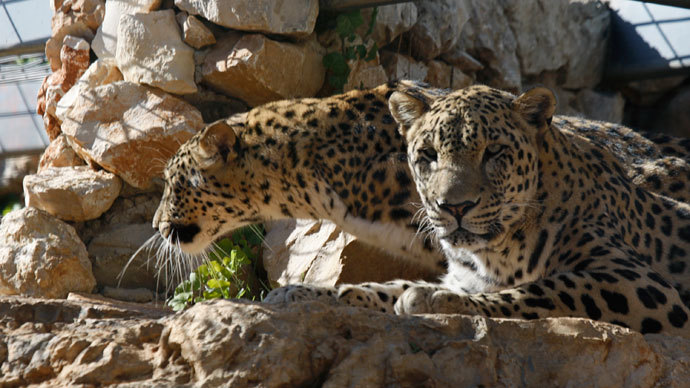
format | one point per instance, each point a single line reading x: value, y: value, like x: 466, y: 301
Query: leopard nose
x: 457, y: 210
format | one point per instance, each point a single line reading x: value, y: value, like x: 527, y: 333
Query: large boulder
x: 129, y: 129
x: 438, y: 27
x: 104, y: 44
x: 287, y: 17
x: 254, y: 68
x: 41, y: 256
x: 391, y: 21
x: 72, y: 193
x: 150, y: 51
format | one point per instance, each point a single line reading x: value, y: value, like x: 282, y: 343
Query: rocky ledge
x: 87, y: 341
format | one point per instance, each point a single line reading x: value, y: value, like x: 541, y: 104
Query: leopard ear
x: 536, y: 106
x: 406, y: 109
x: 218, y: 141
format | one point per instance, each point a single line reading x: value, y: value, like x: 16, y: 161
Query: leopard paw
x: 428, y: 300
x: 300, y: 292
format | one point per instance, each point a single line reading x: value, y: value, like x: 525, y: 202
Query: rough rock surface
x: 41, y: 256
x: 74, y: 56
x: 288, y: 17
x: 391, y: 21
x: 79, y: 18
x: 253, y: 68
x: 150, y: 51
x: 130, y: 130
x: 13, y: 171
x: 445, y: 76
x: 438, y: 27
x: 318, y: 252
x: 195, y: 33
x: 676, y: 118
x: 59, y: 154
x: 399, y: 66
x: 72, y: 193
x: 242, y: 344
x: 104, y: 44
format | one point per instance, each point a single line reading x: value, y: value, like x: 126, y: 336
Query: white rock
x: 99, y: 73
x: 438, y: 27
x: 257, y: 69
x: 285, y: 17
x: 72, y: 193
x: 150, y: 51
x: 445, y: 76
x: 365, y: 75
x: 391, y: 21
x: 128, y: 129
x: 59, y: 154
x: 41, y: 256
x: 78, y: 18
x: 195, y: 33
x: 399, y: 66
x: 104, y: 44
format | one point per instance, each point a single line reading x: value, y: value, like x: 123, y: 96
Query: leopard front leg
x: 301, y: 292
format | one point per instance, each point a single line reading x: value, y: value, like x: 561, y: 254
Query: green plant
x: 335, y: 62
x: 229, y: 272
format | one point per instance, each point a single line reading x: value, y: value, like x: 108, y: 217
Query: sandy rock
x: 128, y: 129
x: 288, y: 17
x: 79, y: 18
x: 105, y: 42
x: 111, y: 250
x: 445, y: 76
x: 318, y: 252
x: 365, y: 75
x: 59, y: 154
x: 13, y: 171
x: 136, y: 295
x: 150, y: 51
x: 74, y: 57
x: 253, y: 68
x: 41, y: 256
x: 487, y: 36
x: 195, y: 33
x: 72, y: 193
x: 399, y: 66
x: 438, y: 27
x: 391, y: 21
x: 462, y: 60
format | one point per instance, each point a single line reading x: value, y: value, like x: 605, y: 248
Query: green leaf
x: 361, y: 51
x: 343, y: 26
x: 350, y: 53
x: 356, y: 19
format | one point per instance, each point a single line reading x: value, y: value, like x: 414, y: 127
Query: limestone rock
x: 41, y: 256
x: 150, y: 51
x: 438, y: 27
x: 442, y: 75
x: 318, y: 252
x: 399, y: 66
x: 72, y: 193
x: 74, y: 57
x: 13, y: 171
x: 462, y: 60
x: 79, y: 18
x: 391, y: 21
x: 111, y: 250
x: 288, y: 17
x: 90, y: 340
x: 604, y: 106
x: 365, y: 75
x: 59, y: 154
x: 254, y: 68
x: 128, y: 129
x: 105, y: 42
x: 195, y: 33
x: 487, y: 36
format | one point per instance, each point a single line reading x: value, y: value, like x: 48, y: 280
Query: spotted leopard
x: 537, y: 217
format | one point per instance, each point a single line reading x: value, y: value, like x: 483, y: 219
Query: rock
x: 13, y: 171
x: 570, y: 35
x: 111, y: 251
x: 74, y: 57
x: 294, y: 18
x: 136, y: 295
x: 72, y: 193
x: 445, y: 76
x: 391, y: 21
x: 253, y: 68
x: 399, y: 66
x: 195, y: 33
x: 59, y: 154
x: 130, y: 130
x: 41, y: 256
x: 675, y: 120
x: 105, y: 42
x: 79, y: 18
x: 90, y: 340
x: 150, y: 51
x: 318, y: 252
x: 438, y: 27
x: 214, y: 106
x: 462, y: 60
x: 648, y: 92
x: 365, y: 75
x: 487, y: 36
x: 604, y: 106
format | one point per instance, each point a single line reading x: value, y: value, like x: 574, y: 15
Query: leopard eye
x: 493, y: 150
x: 428, y: 154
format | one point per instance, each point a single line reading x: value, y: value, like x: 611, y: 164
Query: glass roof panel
x: 31, y: 18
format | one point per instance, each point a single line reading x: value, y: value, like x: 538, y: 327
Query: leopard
x: 538, y: 215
